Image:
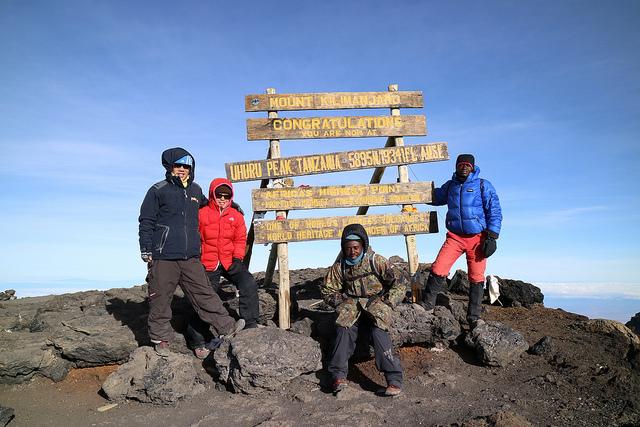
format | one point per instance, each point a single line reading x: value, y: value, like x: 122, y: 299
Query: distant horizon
x: 591, y: 302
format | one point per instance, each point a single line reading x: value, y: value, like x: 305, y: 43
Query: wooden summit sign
x: 297, y: 230
x: 336, y: 162
x: 332, y: 101
x: 335, y: 127
x: 342, y: 196
x: 284, y: 198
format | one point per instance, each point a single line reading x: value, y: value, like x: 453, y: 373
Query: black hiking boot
x: 476, y: 291
x: 435, y: 285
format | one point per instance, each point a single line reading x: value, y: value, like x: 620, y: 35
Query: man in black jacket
x: 170, y: 243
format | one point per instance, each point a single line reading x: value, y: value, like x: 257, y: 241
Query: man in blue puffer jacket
x: 473, y: 222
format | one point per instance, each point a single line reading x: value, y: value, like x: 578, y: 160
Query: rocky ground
x: 583, y: 372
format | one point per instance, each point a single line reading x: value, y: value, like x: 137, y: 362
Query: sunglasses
x: 177, y: 166
x: 223, y: 196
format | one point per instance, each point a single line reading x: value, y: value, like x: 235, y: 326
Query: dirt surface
x: 580, y: 382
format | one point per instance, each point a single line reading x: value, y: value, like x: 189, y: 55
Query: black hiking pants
x: 345, y: 344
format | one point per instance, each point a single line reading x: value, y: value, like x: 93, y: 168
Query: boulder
x: 455, y: 306
x: 496, y: 344
x: 543, y: 346
x: 634, y: 324
x: 6, y: 415
x: 459, y: 283
x: 262, y: 359
x: 23, y: 356
x: 147, y: 377
x: 516, y: 293
x: 414, y: 325
x: 622, y: 340
x: 48, y: 336
x: 8, y: 295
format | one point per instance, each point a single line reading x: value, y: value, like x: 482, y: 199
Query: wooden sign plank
x: 328, y: 228
x: 335, y: 127
x: 333, y: 101
x: 341, y: 196
x: 336, y: 162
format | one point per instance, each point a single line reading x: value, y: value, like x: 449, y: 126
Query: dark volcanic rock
x: 262, y: 359
x: 21, y: 359
x: 7, y: 295
x: 621, y: 340
x: 413, y: 325
x: 48, y: 336
x: 147, y: 377
x: 459, y: 283
x: 634, y: 324
x: 543, y: 346
x: 514, y: 293
x: 496, y: 344
x: 6, y: 415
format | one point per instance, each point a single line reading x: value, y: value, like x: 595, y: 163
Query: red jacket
x: 223, y: 234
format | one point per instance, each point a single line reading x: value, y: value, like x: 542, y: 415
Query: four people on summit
x: 190, y: 241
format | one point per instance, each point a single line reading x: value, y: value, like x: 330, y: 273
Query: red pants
x: 454, y: 246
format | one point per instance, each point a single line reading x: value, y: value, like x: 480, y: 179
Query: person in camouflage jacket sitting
x: 363, y: 287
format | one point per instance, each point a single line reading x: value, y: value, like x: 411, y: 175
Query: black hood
x: 169, y: 157
x: 359, y: 231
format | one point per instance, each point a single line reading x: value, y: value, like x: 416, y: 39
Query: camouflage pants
x: 387, y: 361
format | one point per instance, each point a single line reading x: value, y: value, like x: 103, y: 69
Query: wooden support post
x: 403, y: 176
x: 248, y: 251
x: 282, y: 249
x: 271, y: 265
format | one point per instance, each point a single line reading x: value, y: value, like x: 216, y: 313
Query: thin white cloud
x: 590, y: 289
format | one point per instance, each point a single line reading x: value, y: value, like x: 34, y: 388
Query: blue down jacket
x: 169, y: 214
x: 469, y: 212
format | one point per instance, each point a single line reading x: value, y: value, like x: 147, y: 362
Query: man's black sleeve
x: 147, y: 220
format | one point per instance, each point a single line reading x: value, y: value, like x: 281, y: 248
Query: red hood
x: 215, y: 184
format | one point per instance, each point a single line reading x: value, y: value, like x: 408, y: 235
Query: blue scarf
x: 354, y: 261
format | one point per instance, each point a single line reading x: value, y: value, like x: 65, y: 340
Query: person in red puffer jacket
x: 223, y: 236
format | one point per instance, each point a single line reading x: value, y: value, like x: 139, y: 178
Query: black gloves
x: 236, y: 266
x: 489, y: 245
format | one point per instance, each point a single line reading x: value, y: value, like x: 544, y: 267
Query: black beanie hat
x: 466, y: 158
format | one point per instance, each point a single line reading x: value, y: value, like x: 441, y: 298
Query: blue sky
x: 545, y: 94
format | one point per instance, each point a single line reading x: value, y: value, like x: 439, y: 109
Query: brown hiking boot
x: 392, y: 390
x: 162, y: 349
x: 339, y: 384
x: 201, y: 352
